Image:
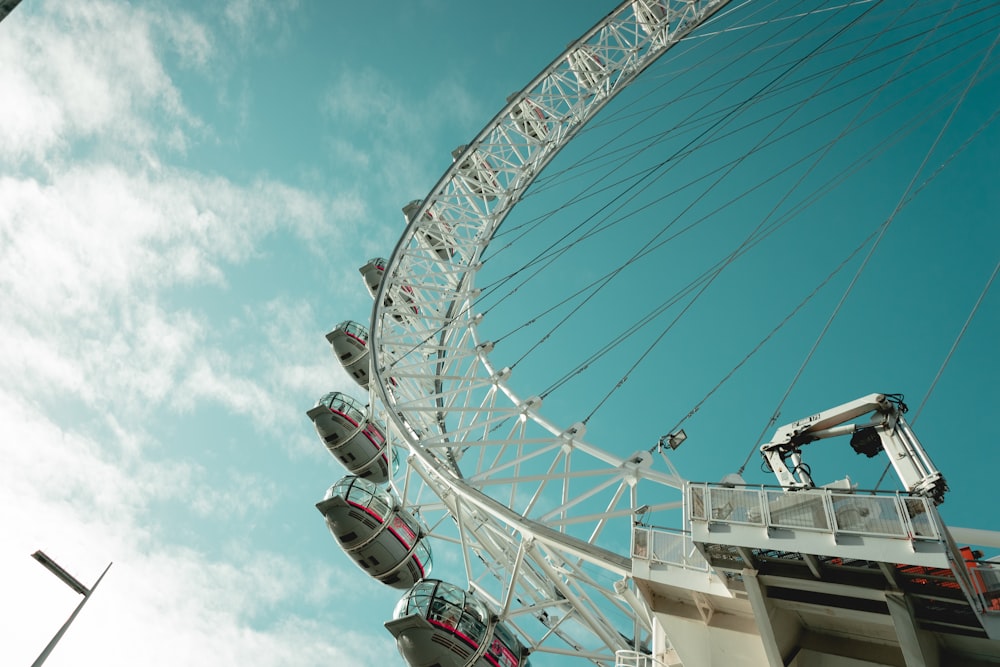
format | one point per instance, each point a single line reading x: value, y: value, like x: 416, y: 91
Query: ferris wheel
x: 451, y: 451
x: 542, y: 516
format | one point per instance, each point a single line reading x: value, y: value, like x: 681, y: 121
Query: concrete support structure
x: 817, y: 578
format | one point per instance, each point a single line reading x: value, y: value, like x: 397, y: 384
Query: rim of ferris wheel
x: 437, y: 345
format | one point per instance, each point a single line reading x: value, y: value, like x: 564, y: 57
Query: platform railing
x: 667, y: 546
x: 986, y: 583
x: 636, y: 659
x: 892, y: 515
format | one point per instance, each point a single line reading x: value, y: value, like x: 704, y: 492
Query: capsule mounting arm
x: 885, y: 431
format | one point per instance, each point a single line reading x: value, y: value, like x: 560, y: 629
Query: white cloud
x: 110, y: 259
x: 159, y: 605
x: 209, y: 378
x: 89, y: 256
x: 88, y: 327
x: 250, y: 19
x: 100, y: 76
x: 393, y: 117
x: 392, y: 127
x: 388, y: 138
x: 191, y: 40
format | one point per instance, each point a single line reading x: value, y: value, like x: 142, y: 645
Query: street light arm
x: 57, y: 570
x: 70, y: 581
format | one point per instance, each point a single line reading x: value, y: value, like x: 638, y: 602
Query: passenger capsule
x: 373, y: 272
x: 530, y: 120
x: 437, y: 624
x: 349, y: 341
x: 651, y: 15
x: 587, y: 67
x: 355, y: 440
x: 432, y: 233
x: 371, y: 526
x: 477, y: 174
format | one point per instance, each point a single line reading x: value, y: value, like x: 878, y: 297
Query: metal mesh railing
x: 797, y: 510
x: 697, y: 505
x: 920, y: 519
x: 986, y: 582
x: 735, y: 505
x: 636, y: 659
x: 660, y: 545
x: 867, y: 515
x: 824, y: 510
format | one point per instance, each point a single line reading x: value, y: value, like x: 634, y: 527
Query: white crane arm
x: 885, y: 431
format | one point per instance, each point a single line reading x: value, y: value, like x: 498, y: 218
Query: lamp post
x: 73, y: 583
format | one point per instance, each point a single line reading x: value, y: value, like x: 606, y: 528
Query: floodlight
x: 673, y: 440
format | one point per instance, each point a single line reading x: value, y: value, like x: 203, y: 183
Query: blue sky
x: 186, y: 193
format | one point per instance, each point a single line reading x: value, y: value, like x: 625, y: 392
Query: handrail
x: 985, y: 580
x: 669, y: 547
x: 636, y: 659
x: 886, y: 514
x: 778, y: 487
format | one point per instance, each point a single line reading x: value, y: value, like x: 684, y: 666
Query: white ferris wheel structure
x: 540, y: 517
x: 538, y: 510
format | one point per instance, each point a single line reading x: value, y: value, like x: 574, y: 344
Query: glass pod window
x: 345, y: 404
x: 362, y: 492
x: 355, y: 330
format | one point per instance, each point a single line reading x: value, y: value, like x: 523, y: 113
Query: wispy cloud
x: 101, y: 75
x: 121, y: 321
x: 390, y: 136
x: 252, y: 19
x: 161, y: 604
x: 88, y: 256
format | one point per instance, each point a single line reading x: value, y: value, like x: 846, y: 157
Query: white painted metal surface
x: 763, y: 577
x: 486, y: 458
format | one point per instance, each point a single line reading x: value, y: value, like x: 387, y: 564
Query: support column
x: 758, y: 602
x: 916, y: 653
